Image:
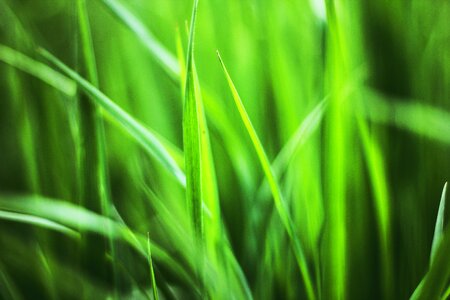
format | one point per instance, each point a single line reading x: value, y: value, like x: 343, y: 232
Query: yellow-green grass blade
x: 191, y: 139
x: 143, y: 136
x: 38, y: 70
x: 434, y: 282
x: 439, y: 227
x: 152, y: 272
x: 209, y: 188
x: 276, y: 192
x: 166, y: 59
x: 441, y: 239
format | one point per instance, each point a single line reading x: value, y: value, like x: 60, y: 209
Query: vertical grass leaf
x: 276, y: 191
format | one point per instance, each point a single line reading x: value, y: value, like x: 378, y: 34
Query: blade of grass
x: 143, y: 136
x: 191, y: 138
x: 36, y: 221
x: 209, y: 190
x: 77, y: 218
x: 423, y: 289
x: 276, y: 192
x: 38, y: 70
x: 152, y: 272
x: 439, y: 228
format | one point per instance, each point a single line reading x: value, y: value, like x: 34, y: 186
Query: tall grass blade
x: 276, y: 192
x: 191, y: 138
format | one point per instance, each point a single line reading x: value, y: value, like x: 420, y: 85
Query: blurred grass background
x: 350, y: 100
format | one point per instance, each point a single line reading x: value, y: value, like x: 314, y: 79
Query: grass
x: 306, y: 163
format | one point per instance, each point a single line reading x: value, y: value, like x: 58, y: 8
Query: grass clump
x: 132, y: 168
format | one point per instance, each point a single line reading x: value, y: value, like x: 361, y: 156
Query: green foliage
x: 132, y: 165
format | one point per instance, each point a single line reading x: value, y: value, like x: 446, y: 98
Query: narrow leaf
x: 191, y: 138
x: 38, y: 70
x: 36, y: 221
x: 439, y: 228
x: 276, y: 191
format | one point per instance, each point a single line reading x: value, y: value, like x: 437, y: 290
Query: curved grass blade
x: 38, y: 70
x: 166, y: 59
x: 276, y: 192
x: 68, y: 215
x: 77, y: 218
x: 143, y: 136
x: 37, y: 221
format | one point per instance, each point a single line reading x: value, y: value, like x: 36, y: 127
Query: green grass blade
x: 191, y: 138
x: 143, y: 136
x: 77, y: 218
x: 276, y: 192
x: 38, y: 70
x: 439, y: 228
x: 152, y: 272
x: 436, y: 278
x: 36, y: 221
x: 166, y: 59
